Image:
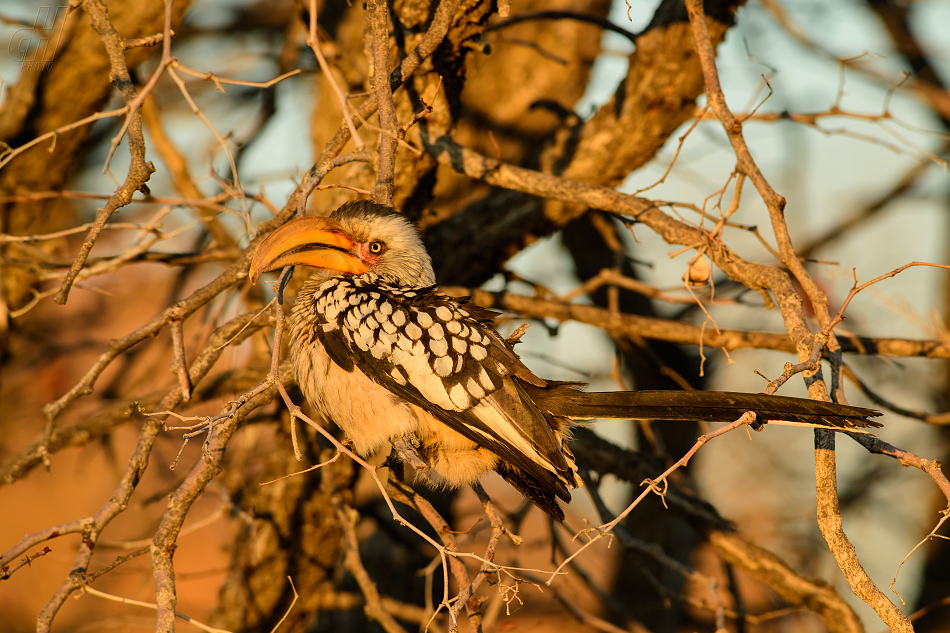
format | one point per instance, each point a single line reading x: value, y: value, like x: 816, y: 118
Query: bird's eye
x: 376, y: 247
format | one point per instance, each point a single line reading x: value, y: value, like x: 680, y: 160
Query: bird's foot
x: 406, y: 447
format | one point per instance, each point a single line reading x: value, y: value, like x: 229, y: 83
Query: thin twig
x: 179, y: 364
x: 314, y: 43
x: 149, y: 605
x: 601, y: 531
x: 377, y: 29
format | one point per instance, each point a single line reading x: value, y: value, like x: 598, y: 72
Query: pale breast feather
x: 428, y: 349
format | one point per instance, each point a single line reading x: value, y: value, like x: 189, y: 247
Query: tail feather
x: 543, y: 493
x: 566, y: 401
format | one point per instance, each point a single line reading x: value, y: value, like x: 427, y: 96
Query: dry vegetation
x: 149, y: 433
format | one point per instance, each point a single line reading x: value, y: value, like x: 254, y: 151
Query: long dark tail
x: 566, y: 401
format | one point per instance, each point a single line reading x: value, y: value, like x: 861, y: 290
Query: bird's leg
x: 406, y: 446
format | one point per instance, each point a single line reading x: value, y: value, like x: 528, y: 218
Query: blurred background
x: 845, y: 108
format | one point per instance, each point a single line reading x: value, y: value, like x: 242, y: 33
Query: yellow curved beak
x: 317, y: 242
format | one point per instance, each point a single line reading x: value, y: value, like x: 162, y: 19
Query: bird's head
x: 358, y: 237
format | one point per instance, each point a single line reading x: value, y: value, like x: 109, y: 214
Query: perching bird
x: 381, y: 352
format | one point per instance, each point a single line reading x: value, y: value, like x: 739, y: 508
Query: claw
x: 406, y: 446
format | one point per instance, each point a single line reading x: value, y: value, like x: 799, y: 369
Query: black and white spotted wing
x: 432, y: 351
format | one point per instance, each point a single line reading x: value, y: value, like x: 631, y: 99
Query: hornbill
x: 380, y: 351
